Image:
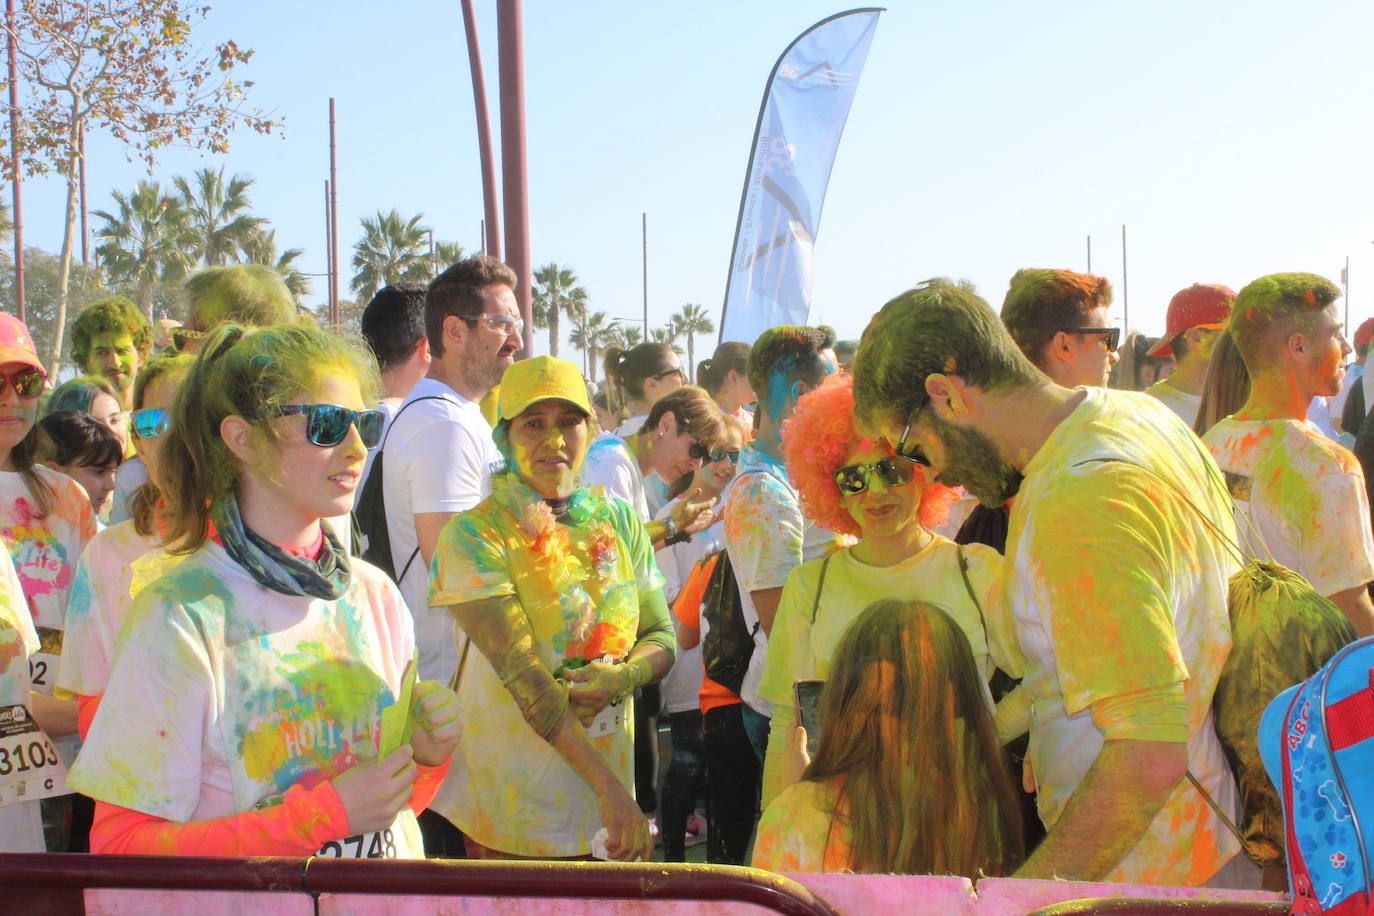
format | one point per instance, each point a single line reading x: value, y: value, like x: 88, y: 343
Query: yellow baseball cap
x: 539, y: 379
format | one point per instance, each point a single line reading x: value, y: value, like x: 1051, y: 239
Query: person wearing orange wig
x: 859, y: 487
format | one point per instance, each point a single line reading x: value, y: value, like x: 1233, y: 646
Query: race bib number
x: 43, y: 663
x: 30, y: 767
x: 609, y: 721
x: 380, y: 844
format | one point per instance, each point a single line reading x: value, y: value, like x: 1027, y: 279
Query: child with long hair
x: 244, y: 712
x: 83, y: 448
x: 909, y: 777
x: 105, y: 581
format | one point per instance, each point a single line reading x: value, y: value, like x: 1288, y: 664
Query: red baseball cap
x: 1364, y: 334
x: 1202, y: 305
x: 16, y: 344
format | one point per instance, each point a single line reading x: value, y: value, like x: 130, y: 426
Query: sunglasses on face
x: 682, y: 376
x: 1112, y: 336
x: 27, y: 382
x: 151, y: 422
x: 705, y: 455
x: 327, y: 424
x: 499, y: 321
x: 855, y: 478
x: 911, y: 453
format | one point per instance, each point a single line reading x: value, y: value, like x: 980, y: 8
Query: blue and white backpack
x: 1317, y: 742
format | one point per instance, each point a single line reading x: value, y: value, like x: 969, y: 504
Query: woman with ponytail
x: 244, y: 712
x: 636, y: 378
x: 726, y: 376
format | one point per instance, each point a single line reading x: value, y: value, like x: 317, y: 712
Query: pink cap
x: 16, y: 343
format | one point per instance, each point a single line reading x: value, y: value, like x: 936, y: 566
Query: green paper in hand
x: 397, y: 720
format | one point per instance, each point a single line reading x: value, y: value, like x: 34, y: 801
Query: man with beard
x: 1302, y: 493
x: 111, y: 339
x: 439, y: 451
x: 1116, y: 583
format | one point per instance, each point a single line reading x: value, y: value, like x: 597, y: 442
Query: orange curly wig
x: 814, y: 444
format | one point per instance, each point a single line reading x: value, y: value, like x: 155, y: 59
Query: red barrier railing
x: 58, y: 880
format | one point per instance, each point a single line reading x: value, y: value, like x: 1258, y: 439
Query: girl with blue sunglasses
x: 244, y: 710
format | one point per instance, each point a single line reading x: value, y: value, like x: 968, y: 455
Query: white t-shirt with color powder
x: 681, y: 686
x: 100, y: 599
x: 1302, y: 494
x: 439, y: 456
x: 1117, y: 585
x: 1180, y: 402
x: 611, y: 470
x: 226, y: 694
x: 45, y: 551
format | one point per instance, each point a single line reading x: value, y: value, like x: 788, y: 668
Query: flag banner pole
x: 805, y: 105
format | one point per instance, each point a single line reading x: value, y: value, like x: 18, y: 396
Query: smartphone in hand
x: 808, y: 697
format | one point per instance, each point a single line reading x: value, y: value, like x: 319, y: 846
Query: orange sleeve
x: 426, y: 785
x: 687, y: 607
x: 304, y: 821
x: 86, y: 708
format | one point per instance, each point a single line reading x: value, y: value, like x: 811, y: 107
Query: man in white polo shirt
x: 438, y: 450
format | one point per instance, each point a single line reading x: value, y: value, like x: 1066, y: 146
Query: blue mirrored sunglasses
x: 151, y: 422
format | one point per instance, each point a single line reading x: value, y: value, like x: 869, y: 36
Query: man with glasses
x: 438, y: 449
x: 1196, y: 316
x: 1060, y: 320
x: 1113, y: 576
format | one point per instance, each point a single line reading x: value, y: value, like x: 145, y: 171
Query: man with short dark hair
x: 393, y: 325
x: 1196, y: 316
x: 1302, y: 494
x: 439, y: 450
x: 1060, y: 320
x: 1114, y: 578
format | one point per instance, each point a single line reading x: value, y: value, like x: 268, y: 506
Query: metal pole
x: 1090, y: 254
x: 482, y: 237
x: 491, y: 226
x: 431, y: 249
x: 85, y: 234
x: 511, y: 60
x: 1345, y: 281
x: 328, y: 251
x: 333, y: 220
x: 1125, y: 288
x: 16, y: 179
x: 644, y: 218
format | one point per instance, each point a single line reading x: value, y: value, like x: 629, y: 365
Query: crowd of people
x: 950, y: 599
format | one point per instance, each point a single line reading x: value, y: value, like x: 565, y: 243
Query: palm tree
x: 262, y: 249
x: 692, y: 320
x: 590, y: 334
x: 218, y: 214
x: 391, y: 250
x: 555, y: 293
x: 665, y: 335
x: 445, y: 255
x: 631, y: 335
x: 146, y: 241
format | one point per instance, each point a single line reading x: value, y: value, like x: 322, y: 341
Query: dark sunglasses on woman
x: 326, y: 425
x: 855, y: 478
x: 699, y: 452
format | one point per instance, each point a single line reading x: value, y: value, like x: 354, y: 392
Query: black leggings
x: 732, y: 785
x: 681, y: 783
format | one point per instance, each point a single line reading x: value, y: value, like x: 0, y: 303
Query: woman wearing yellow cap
x: 559, y: 592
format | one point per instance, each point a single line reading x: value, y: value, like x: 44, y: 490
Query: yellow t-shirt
x: 1116, y: 586
x: 797, y: 834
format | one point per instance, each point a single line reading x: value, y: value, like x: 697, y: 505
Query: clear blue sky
x: 1233, y: 138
